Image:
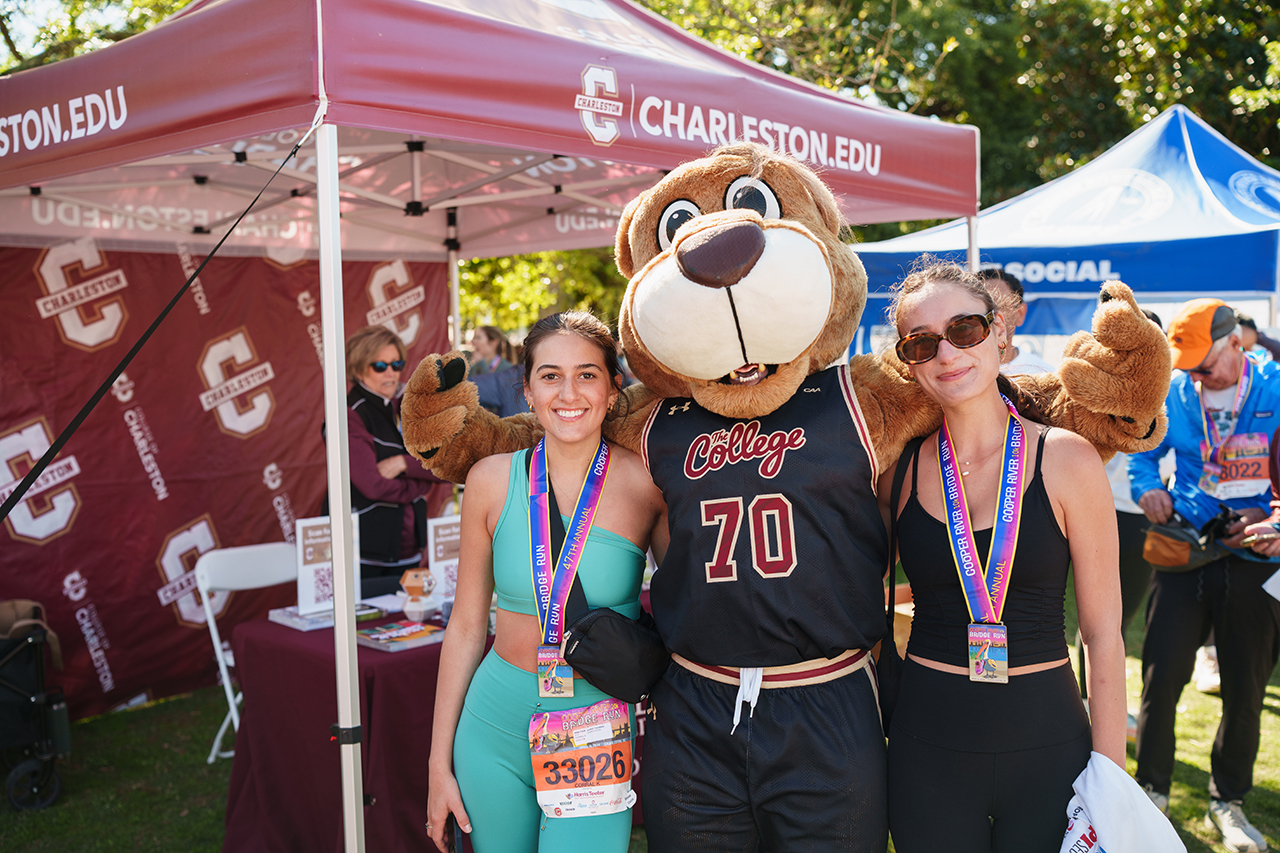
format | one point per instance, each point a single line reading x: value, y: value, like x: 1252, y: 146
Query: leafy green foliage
x: 1051, y: 84
x: 75, y: 27
x: 1101, y: 69
x: 513, y: 293
x: 1253, y: 100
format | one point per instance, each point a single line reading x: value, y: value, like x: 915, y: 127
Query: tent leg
x: 972, y: 222
x: 339, y: 482
x: 455, y: 286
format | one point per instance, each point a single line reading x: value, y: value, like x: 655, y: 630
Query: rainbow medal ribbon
x: 553, y: 578
x: 985, y: 591
x: 1211, y: 447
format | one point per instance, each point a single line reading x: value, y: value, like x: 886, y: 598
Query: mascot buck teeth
x: 771, y: 595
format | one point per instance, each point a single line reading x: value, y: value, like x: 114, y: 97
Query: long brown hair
x: 505, y: 348
x: 928, y: 269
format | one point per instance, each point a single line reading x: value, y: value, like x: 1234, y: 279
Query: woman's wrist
x: 439, y: 763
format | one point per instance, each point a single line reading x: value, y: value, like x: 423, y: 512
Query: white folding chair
x: 227, y: 569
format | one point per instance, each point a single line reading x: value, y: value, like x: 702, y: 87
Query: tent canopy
x: 480, y: 127
x: 483, y: 127
x: 536, y: 121
x: 1174, y: 210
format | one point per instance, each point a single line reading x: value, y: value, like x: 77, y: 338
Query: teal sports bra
x: 611, y: 570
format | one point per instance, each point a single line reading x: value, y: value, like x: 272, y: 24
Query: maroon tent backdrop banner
x: 211, y: 438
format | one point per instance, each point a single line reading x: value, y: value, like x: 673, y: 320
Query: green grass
x: 137, y: 781
x: 1197, y: 725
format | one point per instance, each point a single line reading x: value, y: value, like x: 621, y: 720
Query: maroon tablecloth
x: 286, y: 783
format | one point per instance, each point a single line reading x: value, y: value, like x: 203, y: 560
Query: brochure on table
x: 315, y: 563
x: 444, y: 534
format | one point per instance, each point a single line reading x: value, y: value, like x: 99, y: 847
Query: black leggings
x: 975, y: 768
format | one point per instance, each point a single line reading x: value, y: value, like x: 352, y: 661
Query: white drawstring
x: 749, y: 680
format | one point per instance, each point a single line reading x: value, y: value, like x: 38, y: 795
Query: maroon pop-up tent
x: 439, y: 129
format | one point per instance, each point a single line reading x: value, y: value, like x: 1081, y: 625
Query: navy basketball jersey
x: 778, y: 550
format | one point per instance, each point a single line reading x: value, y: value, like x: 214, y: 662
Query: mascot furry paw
x: 741, y: 296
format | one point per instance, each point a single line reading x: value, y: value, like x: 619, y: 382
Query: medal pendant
x: 1210, y: 477
x: 555, y: 677
x: 988, y: 653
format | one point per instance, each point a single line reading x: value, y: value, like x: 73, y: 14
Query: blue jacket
x: 1260, y: 413
x: 503, y: 392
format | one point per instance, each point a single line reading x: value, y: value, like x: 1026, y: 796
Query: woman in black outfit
x: 388, y: 488
x: 981, y: 760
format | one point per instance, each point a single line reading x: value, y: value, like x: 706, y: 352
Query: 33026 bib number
x: 771, y: 530
x: 598, y: 767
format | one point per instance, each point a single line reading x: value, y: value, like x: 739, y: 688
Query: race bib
x: 1242, y: 468
x: 582, y: 759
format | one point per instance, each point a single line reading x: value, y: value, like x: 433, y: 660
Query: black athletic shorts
x: 805, y: 772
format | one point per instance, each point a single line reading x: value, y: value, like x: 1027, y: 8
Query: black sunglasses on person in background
x: 381, y: 366
x: 963, y: 332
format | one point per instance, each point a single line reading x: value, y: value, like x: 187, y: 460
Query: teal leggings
x: 495, y: 772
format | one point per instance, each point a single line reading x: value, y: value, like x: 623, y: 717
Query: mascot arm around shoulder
x: 741, y: 291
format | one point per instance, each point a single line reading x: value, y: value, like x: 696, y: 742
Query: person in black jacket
x: 388, y: 488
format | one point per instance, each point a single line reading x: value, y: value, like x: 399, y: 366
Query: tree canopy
x: 1051, y: 84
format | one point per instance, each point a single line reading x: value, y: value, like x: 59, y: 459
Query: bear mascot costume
x: 741, y: 299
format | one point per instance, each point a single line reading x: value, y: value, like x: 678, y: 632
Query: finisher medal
x: 985, y: 589
x: 552, y: 577
x: 988, y: 653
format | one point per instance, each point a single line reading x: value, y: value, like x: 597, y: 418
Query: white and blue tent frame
x: 1174, y: 210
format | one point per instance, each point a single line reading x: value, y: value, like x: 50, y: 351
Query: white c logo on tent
x: 71, y: 303
x: 50, y: 505
x: 597, y: 83
x: 393, y: 309
x: 177, y: 562
x: 224, y: 388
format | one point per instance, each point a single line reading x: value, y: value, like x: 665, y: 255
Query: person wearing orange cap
x: 1223, y: 411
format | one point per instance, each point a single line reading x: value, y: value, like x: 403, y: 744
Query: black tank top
x: 1033, y: 611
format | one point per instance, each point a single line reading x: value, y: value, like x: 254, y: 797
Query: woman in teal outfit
x: 480, y: 768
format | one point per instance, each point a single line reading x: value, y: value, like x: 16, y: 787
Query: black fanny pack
x: 617, y: 655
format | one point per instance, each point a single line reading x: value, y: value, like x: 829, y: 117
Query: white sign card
x: 1272, y: 586
x: 315, y: 562
x: 444, y: 535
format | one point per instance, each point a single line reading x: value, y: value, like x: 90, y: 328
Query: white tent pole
x: 339, y: 481
x: 455, y: 285
x: 972, y: 222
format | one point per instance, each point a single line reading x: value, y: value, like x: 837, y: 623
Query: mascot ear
x: 823, y: 200
x: 622, y: 248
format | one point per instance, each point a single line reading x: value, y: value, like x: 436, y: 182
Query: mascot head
x: 740, y: 287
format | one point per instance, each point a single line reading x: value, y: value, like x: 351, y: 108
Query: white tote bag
x: 1111, y: 814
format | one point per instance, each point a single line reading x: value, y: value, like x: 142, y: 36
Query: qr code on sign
x: 323, y: 580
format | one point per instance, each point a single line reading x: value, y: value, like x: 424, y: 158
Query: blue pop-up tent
x: 1174, y: 210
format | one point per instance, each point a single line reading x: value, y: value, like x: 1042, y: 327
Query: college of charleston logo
x: 395, y: 301
x: 598, y: 105
x: 177, y: 563
x: 82, y: 294
x: 237, y: 383
x: 49, y: 507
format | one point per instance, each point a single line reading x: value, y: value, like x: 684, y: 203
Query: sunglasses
x: 381, y: 366
x: 964, y: 332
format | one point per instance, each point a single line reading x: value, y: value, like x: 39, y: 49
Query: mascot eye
x: 676, y: 214
x: 747, y: 193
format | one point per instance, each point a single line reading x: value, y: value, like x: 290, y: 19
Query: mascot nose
x: 721, y: 255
